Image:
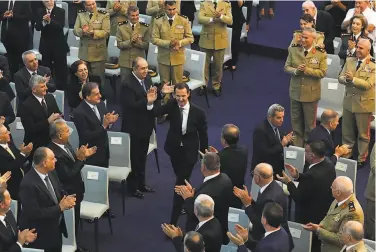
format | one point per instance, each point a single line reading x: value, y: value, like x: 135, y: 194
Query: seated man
x: 352, y: 235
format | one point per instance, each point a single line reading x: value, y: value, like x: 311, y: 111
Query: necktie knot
x: 90, y: 15
x: 358, y: 64
x: 170, y: 21
x: 132, y: 27
x: 34, y: 73
x: 305, y: 52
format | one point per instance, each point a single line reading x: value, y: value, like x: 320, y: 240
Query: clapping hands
x: 110, y: 118
x: 185, y: 191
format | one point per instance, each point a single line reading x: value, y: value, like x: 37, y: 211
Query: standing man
x: 214, y: 17
x: 92, y: 122
x: 358, y: 75
x: 171, y: 32
x: 133, y: 40
x: 155, y: 8
x: 306, y: 63
x: 118, y: 11
x: 93, y: 28
x: 43, y: 205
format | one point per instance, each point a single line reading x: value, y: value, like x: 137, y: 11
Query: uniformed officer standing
x: 214, y: 17
x: 118, y: 12
x: 358, y: 74
x: 171, y: 32
x: 93, y: 28
x: 155, y: 8
x: 132, y: 39
x: 344, y: 208
x: 306, y: 63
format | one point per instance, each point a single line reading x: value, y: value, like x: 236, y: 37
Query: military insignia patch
x: 144, y: 24
x: 314, y: 61
x: 351, y: 206
x: 159, y: 16
x: 337, y: 217
x: 124, y: 22
x: 102, y: 11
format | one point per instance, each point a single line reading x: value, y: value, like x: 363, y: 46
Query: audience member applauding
x: 307, y: 21
x: 193, y: 241
x: 352, y: 235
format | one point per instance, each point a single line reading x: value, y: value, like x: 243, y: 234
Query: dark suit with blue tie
x: 322, y: 134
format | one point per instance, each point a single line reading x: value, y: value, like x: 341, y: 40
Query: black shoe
x: 80, y: 249
x: 217, y: 92
x: 147, y: 189
x: 183, y: 212
x: 200, y: 92
x: 138, y: 194
x: 360, y: 165
x: 111, y: 215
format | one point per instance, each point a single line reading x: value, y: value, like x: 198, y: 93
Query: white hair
x: 275, y: 108
x: 36, y: 80
x: 309, y: 3
x: 204, y: 205
x: 25, y: 54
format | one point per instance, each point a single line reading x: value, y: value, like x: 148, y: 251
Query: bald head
x: 230, y: 134
x: 4, y: 135
x: 264, y: 170
x: 365, y: 42
x: 344, y: 185
x: 363, y: 48
x: 354, y: 229
x: 328, y: 115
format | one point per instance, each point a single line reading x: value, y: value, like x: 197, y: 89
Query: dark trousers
x: 235, y: 43
x: 57, y: 62
x: 139, y: 152
x: 14, y: 55
x: 267, y: 5
x: 183, y: 170
x: 77, y: 211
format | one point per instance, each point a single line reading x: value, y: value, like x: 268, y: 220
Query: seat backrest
x: 152, y: 55
x: 244, y: 10
x: 36, y: 39
x: 294, y: 156
x: 14, y: 101
x: 72, y: 39
x: 74, y: 139
x: 31, y: 250
x: 370, y: 245
x: 195, y: 64
x: 73, y: 51
x: 302, y: 238
x: 254, y: 190
x: 236, y: 216
x: 59, y: 97
x: 14, y: 208
x: 332, y: 93
x: 112, y: 49
x: 145, y: 18
x: 228, y: 248
x: 120, y: 146
x: 347, y: 167
x: 153, y: 138
x: 64, y: 6
x: 70, y: 223
x: 229, y: 39
x: 18, y: 132
x: 96, y: 184
x: 337, y: 42
x: 334, y: 66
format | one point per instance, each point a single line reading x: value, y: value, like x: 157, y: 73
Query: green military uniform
x: 369, y: 194
x: 170, y: 62
x: 320, y: 37
x: 153, y: 9
x: 334, y: 221
x: 93, y: 48
x: 214, y: 37
x: 305, y: 88
x: 120, y: 15
x: 129, y: 50
x: 360, y: 247
x: 358, y: 104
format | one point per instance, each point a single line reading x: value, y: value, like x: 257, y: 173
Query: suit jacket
x: 8, y: 163
x: 137, y: 120
x: 313, y: 196
x: 272, y: 193
x: 52, y: 37
x: 4, y: 82
x: 220, y: 189
x: 40, y: 211
x: 74, y: 88
x: 274, y: 242
x: 35, y: 120
x: 325, y: 24
x: 8, y: 240
x: 91, y: 131
x: 68, y: 170
x: 6, y: 109
x: 196, y: 136
x: 322, y: 134
x: 22, y: 77
x: 360, y: 94
x: 211, y: 233
x: 267, y: 148
x: 343, y: 54
x: 234, y: 160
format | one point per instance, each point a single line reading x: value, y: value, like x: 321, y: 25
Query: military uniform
x: 128, y: 50
x: 360, y: 247
x: 305, y: 88
x: 120, y: 15
x: 153, y: 9
x: 170, y: 62
x: 93, y: 49
x: 334, y: 221
x: 320, y: 37
x: 358, y: 104
x: 214, y: 37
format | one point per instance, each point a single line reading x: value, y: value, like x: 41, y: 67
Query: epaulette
x: 320, y: 49
x: 144, y: 24
x: 351, y: 206
x: 345, y: 34
x: 159, y: 16
x: 81, y: 10
x: 372, y: 59
x: 102, y: 11
x: 366, y: 37
x: 124, y: 22
x: 296, y: 45
x: 298, y: 31
x: 183, y: 16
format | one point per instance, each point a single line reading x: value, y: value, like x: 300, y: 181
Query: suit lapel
x: 5, y: 153
x: 190, y: 116
x: 60, y: 152
x: 55, y: 184
x: 91, y: 112
x: 41, y: 184
x: 38, y: 106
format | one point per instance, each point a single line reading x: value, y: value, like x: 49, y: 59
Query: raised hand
x: 5, y: 177
x: 26, y: 150
x: 243, y: 195
x: 167, y: 89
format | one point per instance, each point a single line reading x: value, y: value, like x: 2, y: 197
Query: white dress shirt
x: 262, y: 189
x: 203, y: 222
x: 270, y: 232
x: 349, y: 247
x: 343, y: 201
x: 185, y: 111
x: 42, y: 177
x: 149, y: 107
x: 40, y: 99
x: 95, y: 109
x: 2, y: 219
x: 31, y: 72
x: 211, y: 176
x: 310, y: 166
x: 9, y: 4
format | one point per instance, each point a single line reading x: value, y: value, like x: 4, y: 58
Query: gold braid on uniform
x: 124, y: 22
x: 320, y: 49
x: 298, y: 31
x: 144, y: 24
x: 81, y: 10
x: 159, y: 16
x: 183, y: 16
x: 102, y: 11
x: 296, y: 45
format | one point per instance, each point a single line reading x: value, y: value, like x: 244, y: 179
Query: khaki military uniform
x: 305, y: 88
x: 334, y: 221
x: 360, y: 247
x: 93, y: 49
x: 128, y: 50
x: 358, y: 104
x: 170, y: 62
x: 153, y: 9
x: 120, y: 15
x: 320, y: 37
x: 214, y: 37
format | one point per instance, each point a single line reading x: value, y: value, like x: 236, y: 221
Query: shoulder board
x: 373, y: 60
x: 144, y: 24
x: 124, y: 22
x: 298, y: 31
x: 351, y: 206
x: 102, y: 11
x: 183, y: 16
x: 296, y: 45
x: 320, y: 49
x: 345, y: 34
x: 366, y: 37
x: 159, y: 16
x: 81, y: 10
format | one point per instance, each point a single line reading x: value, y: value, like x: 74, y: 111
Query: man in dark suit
x: 53, y: 44
x: 15, y: 30
x: 37, y: 112
x: 217, y: 185
x: 313, y: 196
x: 270, y: 191
x: 92, y: 122
x: 324, y: 22
x: 186, y: 136
x: 43, y: 203
x: 11, y: 239
x: 31, y: 68
x: 329, y: 122
x: 5, y: 78
x: 275, y: 239
x: 139, y: 122
x: 12, y: 159
x: 268, y: 141
x: 7, y: 115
